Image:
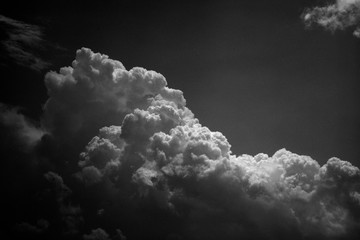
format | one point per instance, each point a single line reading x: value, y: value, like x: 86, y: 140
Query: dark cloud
x: 142, y: 163
x: 17, y: 129
x: 39, y: 228
x: 97, y: 234
x: 21, y: 42
x: 340, y: 15
x: 69, y: 215
x: 100, y: 234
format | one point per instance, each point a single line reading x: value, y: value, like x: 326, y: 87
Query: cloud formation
x: 97, y: 91
x: 144, y: 164
x: 340, y: 15
x: 19, y: 42
x: 180, y: 166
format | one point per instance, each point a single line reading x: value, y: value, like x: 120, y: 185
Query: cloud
x: 143, y: 163
x: 96, y: 92
x: 29, y: 229
x: 97, y: 234
x: 20, y: 42
x: 191, y: 167
x: 19, y: 129
x: 100, y: 234
x: 178, y: 166
x: 340, y: 15
x: 69, y: 215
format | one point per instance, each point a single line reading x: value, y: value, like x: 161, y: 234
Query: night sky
x: 265, y: 74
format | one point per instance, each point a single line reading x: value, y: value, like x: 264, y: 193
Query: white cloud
x: 97, y: 91
x: 153, y: 153
x: 340, y: 15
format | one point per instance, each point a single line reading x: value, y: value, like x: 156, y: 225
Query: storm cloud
x: 147, y: 166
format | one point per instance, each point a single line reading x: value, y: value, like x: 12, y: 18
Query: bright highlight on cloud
x: 340, y: 15
x: 155, y: 172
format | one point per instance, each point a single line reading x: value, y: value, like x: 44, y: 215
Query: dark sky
x: 251, y: 70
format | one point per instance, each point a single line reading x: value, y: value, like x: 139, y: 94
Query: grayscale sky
x: 94, y: 154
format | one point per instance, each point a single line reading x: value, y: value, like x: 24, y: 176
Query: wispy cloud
x: 339, y: 15
x: 21, y: 41
x: 19, y: 128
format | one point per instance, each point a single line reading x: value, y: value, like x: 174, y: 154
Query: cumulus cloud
x: 339, y: 15
x: 180, y: 167
x: 20, y: 41
x: 96, y: 92
x: 102, y: 155
x: 147, y: 166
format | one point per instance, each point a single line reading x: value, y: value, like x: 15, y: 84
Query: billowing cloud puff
x: 97, y: 91
x: 102, y: 155
x: 337, y: 16
x: 180, y: 167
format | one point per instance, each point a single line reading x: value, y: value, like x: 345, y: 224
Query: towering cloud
x: 155, y: 172
x: 337, y: 16
x: 97, y: 91
x: 180, y: 167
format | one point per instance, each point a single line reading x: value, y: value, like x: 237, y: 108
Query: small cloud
x: 39, y: 228
x: 19, y: 128
x: 100, y: 234
x: 340, y: 15
x: 119, y: 235
x: 97, y: 234
x: 20, y: 42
